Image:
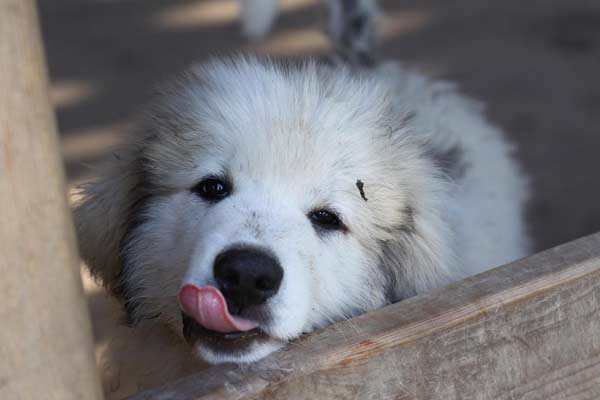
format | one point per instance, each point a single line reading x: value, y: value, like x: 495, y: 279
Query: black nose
x: 247, y: 276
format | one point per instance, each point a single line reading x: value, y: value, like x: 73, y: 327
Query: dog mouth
x: 207, y: 322
x: 221, y: 342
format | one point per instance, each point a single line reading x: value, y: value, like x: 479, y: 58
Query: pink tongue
x: 208, y: 308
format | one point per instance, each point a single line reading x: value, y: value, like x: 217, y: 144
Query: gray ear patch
x: 450, y: 161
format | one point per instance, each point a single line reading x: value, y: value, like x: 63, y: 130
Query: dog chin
x: 252, y: 352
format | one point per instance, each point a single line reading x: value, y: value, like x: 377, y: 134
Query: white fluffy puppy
x: 264, y: 199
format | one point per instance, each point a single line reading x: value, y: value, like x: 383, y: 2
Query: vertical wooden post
x: 45, y: 333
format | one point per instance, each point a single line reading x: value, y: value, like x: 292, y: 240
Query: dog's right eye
x: 326, y: 219
x: 212, y: 189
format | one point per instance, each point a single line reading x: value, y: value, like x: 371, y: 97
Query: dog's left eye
x: 326, y: 219
x: 212, y: 189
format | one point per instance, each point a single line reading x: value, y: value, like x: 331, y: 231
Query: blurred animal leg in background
x: 352, y: 26
x: 257, y: 17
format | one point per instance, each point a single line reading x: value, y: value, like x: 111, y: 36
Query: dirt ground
x: 534, y: 63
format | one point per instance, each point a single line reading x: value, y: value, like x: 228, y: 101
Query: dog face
x: 264, y: 201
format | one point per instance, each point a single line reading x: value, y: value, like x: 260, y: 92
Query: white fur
x: 292, y: 139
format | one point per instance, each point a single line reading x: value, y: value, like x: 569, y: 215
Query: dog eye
x: 212, y: 189
x: 326, y: 219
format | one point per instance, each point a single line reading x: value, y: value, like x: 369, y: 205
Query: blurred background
x: 534, y: 63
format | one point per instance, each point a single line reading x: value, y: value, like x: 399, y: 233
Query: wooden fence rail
x: 527, y: 330
x: 45, y: 333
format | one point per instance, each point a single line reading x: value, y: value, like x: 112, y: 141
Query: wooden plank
x: 45, y: 334
x: 527, y: 330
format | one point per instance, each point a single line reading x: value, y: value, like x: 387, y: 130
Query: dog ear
x: 419, y: 258
x: 104, y: 215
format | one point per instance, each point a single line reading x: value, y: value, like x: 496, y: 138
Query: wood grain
x: 527, y: 330
x: 45, y: 332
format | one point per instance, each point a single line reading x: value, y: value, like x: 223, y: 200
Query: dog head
x: 261, y: 201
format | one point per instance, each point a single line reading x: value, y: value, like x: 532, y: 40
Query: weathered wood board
x: 45, y: 333
x: 527, y: 330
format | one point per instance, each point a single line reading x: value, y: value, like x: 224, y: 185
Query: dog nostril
x: 230, y: 278
x: 265, y: 284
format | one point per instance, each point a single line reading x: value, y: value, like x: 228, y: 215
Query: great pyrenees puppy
x: 263, y: 199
